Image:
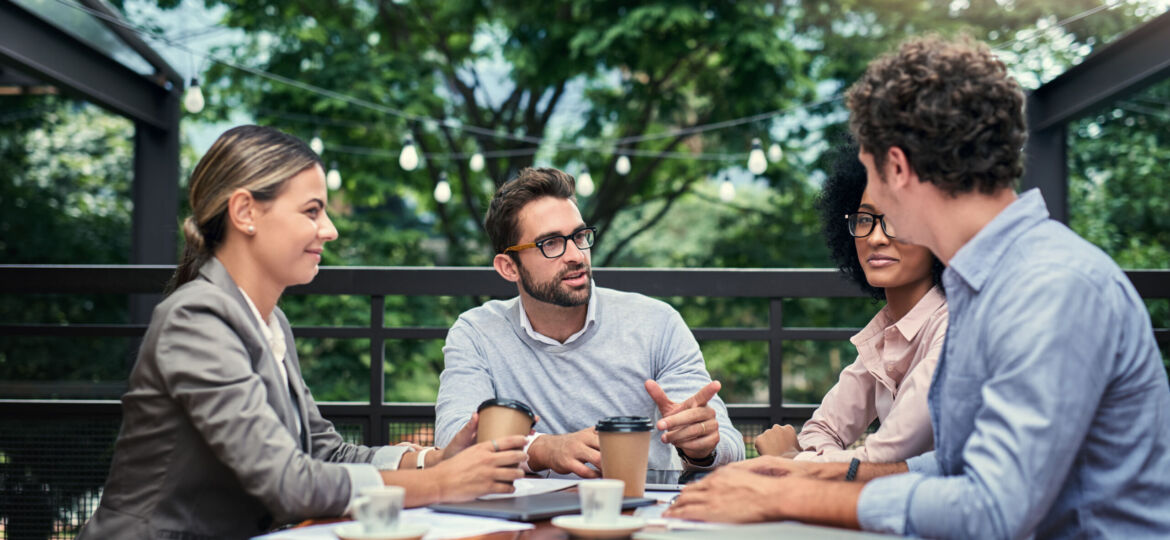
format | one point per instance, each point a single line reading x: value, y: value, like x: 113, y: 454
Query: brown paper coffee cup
x: 625, y: 450
x: 503, y: 417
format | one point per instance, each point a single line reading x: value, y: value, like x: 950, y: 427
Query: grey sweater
x: 601, y: 373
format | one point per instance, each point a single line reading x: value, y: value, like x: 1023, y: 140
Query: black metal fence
x: 62, y: 447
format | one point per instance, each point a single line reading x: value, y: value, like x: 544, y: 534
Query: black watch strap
x: 851, y: 475
x: 703, y: 462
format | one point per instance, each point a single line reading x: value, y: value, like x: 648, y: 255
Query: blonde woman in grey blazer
x: 220, y: 436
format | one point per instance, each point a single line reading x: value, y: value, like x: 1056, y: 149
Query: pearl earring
x: 251, y: 229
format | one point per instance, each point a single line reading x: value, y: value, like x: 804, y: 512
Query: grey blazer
x: 208, y: 446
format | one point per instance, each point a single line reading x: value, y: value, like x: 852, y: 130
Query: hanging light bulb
x: 317, y: 144
x: 333, y: 177
x: 476, y: 162
x: 585, y: 184
x: 623, y: 165
x: 726, y: 190
x: 408, y: 159
x: 193, y: 100
x: 442, y: 190
x: 757, y: 163
x: 775, y: 153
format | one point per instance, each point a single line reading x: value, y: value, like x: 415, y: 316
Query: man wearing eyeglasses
x: 576, y: 353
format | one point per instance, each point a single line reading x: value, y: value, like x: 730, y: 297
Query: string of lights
x: 409, y: 157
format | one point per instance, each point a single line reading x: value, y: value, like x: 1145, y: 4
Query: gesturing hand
x: 567, y: 454
x: 690, y: 425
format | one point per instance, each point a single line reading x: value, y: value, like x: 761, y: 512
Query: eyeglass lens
x: 861, y: 224
x: 555, y: 246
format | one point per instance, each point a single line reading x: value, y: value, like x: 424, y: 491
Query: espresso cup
x: 503, y: 417
x: 601, y: 500
x: 378, y: 508
x: 625, y: 450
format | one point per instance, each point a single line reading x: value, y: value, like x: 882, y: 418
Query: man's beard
x: 553, y: 293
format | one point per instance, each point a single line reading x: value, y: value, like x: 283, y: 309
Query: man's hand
x: 488, y: 467
x: 778, y: 440
x: 567, y: 454
x: 778, y: 466
x: 728, y: 496
x: 690, y: 425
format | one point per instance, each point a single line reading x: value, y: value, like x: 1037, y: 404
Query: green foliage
x: 65, y: 198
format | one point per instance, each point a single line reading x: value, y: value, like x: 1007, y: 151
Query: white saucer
x: 622, y: 527
x: 406, y: 531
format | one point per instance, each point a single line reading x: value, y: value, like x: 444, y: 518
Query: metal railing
x: 51, y: 493
x: 775, y: 285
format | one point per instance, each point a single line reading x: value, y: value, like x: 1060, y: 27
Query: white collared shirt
x: 590, y: 319
x: 274, y: 335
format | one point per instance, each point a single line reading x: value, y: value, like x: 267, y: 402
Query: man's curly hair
x: 840, y: 195
x: 950, y: 106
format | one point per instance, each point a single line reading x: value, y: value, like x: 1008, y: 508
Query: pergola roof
x: 1125, y: 66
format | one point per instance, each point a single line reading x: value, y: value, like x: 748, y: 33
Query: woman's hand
x: 488, y: 467
x: 461, y: 440
x: 778, y: 441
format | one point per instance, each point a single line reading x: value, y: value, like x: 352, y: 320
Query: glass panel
x: 742, y: 368
x: 435, y: 311
x: 336, y: 369
x: 71, y: 18
x: 812, y: 367
x: 43, y: 367
x: 326, y: 310
x: 412, y: 369
x: 721, y: 312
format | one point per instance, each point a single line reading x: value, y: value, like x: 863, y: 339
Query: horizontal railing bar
x: 74, y: 330
x: 405, y: 412
x: 483, y: 281
x: 417, y: 332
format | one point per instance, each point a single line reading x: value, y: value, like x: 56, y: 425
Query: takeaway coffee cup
x: 625, y: 449
x: 503, y: 417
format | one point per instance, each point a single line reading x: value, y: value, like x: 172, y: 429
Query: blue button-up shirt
x: 1050, y: 404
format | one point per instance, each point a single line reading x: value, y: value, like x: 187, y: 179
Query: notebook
x: 529, y: 507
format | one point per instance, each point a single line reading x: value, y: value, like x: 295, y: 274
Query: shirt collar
x: 590, y: 318
x: 910, y: 323
x: 271, y: 330
x: 916, y: 318
x: 976, y: 260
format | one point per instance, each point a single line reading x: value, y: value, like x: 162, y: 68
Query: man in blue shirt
x: 1050, y: 405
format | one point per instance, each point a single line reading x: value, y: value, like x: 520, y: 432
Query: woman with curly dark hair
x: 896, y: 352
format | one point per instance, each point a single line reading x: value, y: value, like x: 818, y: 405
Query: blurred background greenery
x: 567, y: 73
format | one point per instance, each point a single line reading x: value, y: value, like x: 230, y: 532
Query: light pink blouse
x: 888, y: 381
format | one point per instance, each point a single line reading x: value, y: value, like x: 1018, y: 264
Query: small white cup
x: 378, y: 508
x: 601, y: 500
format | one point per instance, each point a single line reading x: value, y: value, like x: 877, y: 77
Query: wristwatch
x: 703, y: 462
x: 851, y: 474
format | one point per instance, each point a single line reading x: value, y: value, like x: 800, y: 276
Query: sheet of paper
x: 442, y: 527
x: 533, y: 486
x: 653, y: 516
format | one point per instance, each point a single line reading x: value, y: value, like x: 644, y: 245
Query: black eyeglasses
x: 861, y: 224
x: 554, y: 246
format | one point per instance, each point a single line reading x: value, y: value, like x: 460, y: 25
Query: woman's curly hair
x: 950, y: 106
x: 840, y: 195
